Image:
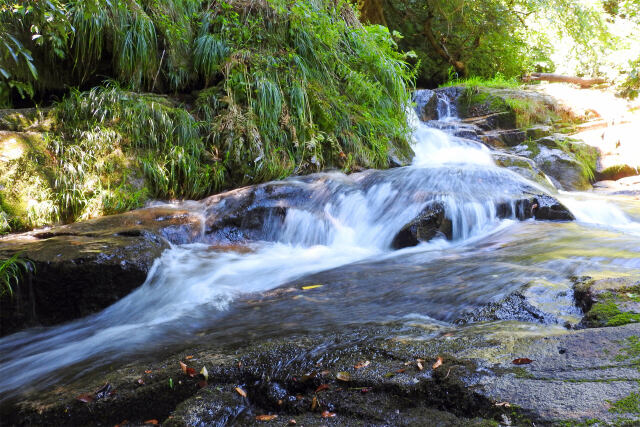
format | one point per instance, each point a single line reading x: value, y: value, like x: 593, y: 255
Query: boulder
x: 426, y: 104
x: 82, y: 268
x: 430, y: 223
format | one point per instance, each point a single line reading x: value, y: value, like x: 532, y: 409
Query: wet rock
x: 563, y: 168
x: 84, y: 267
x: 573, y: 377
x: 426, y: 104
x: 251, y: 213
x: 515, y: 306
x: 539, y: 131
x: 429, y: 224
x: 522, y: 166
x: 502, y: 120
x: 503, y: 138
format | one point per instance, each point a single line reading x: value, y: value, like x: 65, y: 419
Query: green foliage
x: 11, y: 271
x: 280, y: 87
x: 627, y: 405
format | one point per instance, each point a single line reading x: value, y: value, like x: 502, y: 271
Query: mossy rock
x: 26, y: 197
x: 608, y: 302
x: 617, y: 172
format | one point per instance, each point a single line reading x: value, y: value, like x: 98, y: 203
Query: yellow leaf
x: 306, y: 288
x: 205, y: 373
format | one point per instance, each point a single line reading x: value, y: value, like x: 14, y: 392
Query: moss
x: 631, y: 349
x: 616, y: 172
x: 627, y: 405
x: 609, y: 314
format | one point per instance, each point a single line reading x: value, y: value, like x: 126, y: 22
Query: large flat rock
x: 84, y: 267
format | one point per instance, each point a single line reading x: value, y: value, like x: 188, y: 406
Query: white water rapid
x: 342, y: 221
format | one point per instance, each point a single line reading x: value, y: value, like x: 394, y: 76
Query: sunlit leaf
x: 437, y: 363
x: 241, y: 392
x: 266, y: 417
x: 343, y: 376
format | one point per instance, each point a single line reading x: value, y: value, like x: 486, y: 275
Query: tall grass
x: 11, y: 271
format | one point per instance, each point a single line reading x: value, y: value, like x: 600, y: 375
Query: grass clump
x: 498, y: 81
x: 11, y: 271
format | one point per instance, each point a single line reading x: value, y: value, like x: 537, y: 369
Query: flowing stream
x: 337, y: 243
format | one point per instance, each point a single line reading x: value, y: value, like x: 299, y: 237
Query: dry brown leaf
x: 148, y: 371
x: 266, y: 417
x: 437, y: 363
x: 314, y: 403
x: 292, y: 422
x: 241, y: 392
x: 86, y: 398
x: 183, y: 366
x: 188, y: 357
x: 399, y: 371
x: 322, y: 387
x: 522, y: 361
x: 327, y: 414
x: 362, y: 364
x: 152, y: 422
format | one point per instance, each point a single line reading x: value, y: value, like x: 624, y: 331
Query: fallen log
x: 559, y: 78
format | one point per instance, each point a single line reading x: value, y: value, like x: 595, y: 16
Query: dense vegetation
x: 179, y: 99
x: 257, y: 90
x: 462, y: 38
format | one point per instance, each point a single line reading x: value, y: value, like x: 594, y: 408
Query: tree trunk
x: 558, y: 78
x: 441, y: 50
x: 372, y: 12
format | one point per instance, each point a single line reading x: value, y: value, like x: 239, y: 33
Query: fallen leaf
x: 314, y: 403
x: 522, y: 361
x: 419, y: 365
x: 399, y: 371
x: 202, y: 383
x: 266, y: 417
x: 389, y: 375
x: 419, y: 360
x: 140, y: 381
x: 205, y: 373
x: 362, y: 364
x: 122, y: 423
x: 343, y: 376
x: 327, y: 414
x: 191, y: 372
x: 280, y: 402
x: 188, y: 357
x: 437, y: 364
x: 183, y: 366
x: 292, y: 422
x: 307, y: 377
x: 241, y: 392
x: 322, y: 387
x: 152, y: 422
x: 505, y: 404
x: 147, y: 371
x: 86, y: 398
x: 306, y: 288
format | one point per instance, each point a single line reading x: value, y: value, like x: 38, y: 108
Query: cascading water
x: 340, y: 234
